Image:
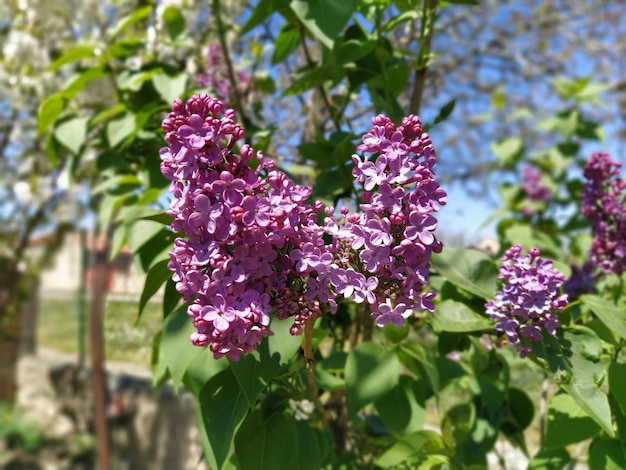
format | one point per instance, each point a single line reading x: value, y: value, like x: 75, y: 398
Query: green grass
x: 125, y: 338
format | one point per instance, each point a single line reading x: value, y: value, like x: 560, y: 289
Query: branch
x: 229, y: 64
x: 426, y: 34
x: 321, y: 89
x: 307, y: 347
x: 6, y: 136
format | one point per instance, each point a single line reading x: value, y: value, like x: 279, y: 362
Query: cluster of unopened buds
x: 530, y: 300
x: 254, y: 247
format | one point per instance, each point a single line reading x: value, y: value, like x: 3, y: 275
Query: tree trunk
x: 10, y: 329
x: 18, y: 323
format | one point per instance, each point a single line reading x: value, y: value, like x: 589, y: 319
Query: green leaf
x: 471, y: 270
x: 141, y: 232
x: 133, y: 81
x: 72, y: 133
x: 223, y: 407
x: 78, y: 83
x: 255, y: 370
x: 591, y: 91
x: 550, y: 459
x: 126, y: 48
x: 371, y: 373
x: 247, y: 371
x: 202, y: 369
x: 613, y: 317
x: 263, y: 10
x: 282, y: 345
x: 508, y: 151
x: 312, y: 447
x: 454, y: 316
x: 324, y: 18
x: 109, y: 204
x: 568, y: 423
x: 120, y: 129
x: 590, y: 130
x: 565, y: 122
x: 528, y: 237
x: 134, y: 17
x: 161, y: 217
x: 522, y: 411
x: 409, y: 15
x: 310, y: 79
x: 567, y: 88
x: 49, y: 111
x: 352, y: 50
x: 287, y: 41
x: 174, y: 21
x: 607, y: 454
x: 266, y: 445
x: 177, y: 351
x: 171, y: 298
x: 73, y: 54
x: 396, y: 334
x: 157, y: 276
x: 118, y: 241
x: 331, y: 185
x: 403, y: 408
x: 170, y: 87
x: 420, y: 361
x: 408, y: 450
x: 575, y: 361
x: 617, y: 384
x: 458, y: 422
x: 116, y: 182
x: 445, y: 112
x: 498, y: 99
x: 264, y: 83
x: 594, y: 402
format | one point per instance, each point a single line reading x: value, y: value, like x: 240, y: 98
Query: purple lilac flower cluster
x: 529, y: 302
x: 254, y: 246
x: 581, y: 280
x: 533, y: 187
x: 604, y: 205
x: 217, y: 74
x: 393, y: 234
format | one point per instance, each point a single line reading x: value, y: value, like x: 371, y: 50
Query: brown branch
x: 307, y: 347
x: 423, y: 62
x: 311, y: 64
x: 229, y: 64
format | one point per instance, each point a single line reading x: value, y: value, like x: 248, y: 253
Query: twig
x: 321, y: 89
x: 543, y: 410
x: 229, y: 64
x: 429, y: 8
x: 310, y: 367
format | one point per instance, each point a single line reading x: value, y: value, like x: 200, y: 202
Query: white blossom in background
x: 22, y: 192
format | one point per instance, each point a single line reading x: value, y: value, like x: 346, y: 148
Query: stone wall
x: 150, y: 429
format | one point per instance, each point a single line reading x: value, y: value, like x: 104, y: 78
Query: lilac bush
x: 530, y: 300
x: 253, y: 245
x: 604, y: 205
